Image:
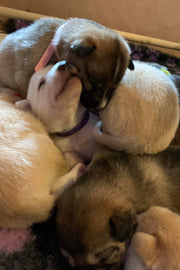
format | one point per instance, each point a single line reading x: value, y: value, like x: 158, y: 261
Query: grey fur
x: 116, y: 184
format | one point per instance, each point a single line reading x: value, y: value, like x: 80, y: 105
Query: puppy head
x: 54, y: 96
x: 99, y: 57
x: 94, y: 225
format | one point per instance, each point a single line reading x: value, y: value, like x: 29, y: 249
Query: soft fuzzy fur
x: 98, y: 56
x: 33, y: 171
x: 156, y: 244
x: 97, y: 214
x: 54, y: 97
x: 143, y: 114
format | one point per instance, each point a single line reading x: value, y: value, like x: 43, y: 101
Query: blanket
x: 36, y: 248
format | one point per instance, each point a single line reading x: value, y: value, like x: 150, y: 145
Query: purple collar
x: 81, y: 124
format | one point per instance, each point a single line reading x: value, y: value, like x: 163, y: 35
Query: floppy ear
x: 131, y: 65
x: 123, y: 225
x: 146, y: 246
x: 82, y: 48
x: 23, y: 105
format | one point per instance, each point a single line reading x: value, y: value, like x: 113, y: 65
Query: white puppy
x: 143, y: 114
x: 54, y: 97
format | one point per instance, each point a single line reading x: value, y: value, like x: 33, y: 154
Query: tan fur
x: 143, y: 114
x: 156, y: 244
x: 97, y: 214
x: 99, y: 55
x: 32, y: 170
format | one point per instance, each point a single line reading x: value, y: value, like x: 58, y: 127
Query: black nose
x: 90, y: 100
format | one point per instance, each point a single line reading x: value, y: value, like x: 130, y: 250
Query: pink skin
x: 13, y: 240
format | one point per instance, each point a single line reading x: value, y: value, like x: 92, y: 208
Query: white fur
x: 57, y: 105
x: 134, y: 261
x: 143, y: 114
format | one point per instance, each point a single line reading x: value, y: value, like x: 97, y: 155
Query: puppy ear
x: 146, y: 246
x: 123, y: 225
x: 23, y: 105
x: 176, y: 79
x: 82, y: 48
x: 131, y: 65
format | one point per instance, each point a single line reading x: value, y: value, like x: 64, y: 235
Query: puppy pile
x: 82, y: 66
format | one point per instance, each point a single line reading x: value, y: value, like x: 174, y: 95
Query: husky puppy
x: 33, y: 172
x: 96, y: 54
x: 143, y: 114
x: 97, y: 214
x: 156, y: 243
x: 54, y: 97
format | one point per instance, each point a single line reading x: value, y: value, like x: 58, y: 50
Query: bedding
x: 37, y: 247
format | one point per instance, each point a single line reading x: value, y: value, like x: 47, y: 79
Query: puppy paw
x: 80, y: 169
x: 68, y: 179
x: 23, y: 105
x: 72, y: 159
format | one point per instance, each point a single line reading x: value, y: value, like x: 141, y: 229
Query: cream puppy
x: 97, y: 55
x: 156, y: 243
x: 143, y: 114
x: 54, y: 97
x: 33, y: 172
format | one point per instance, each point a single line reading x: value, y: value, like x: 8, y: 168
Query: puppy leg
x: 64, y: 181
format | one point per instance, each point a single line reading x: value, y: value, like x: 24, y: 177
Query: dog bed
x: 37, y: 247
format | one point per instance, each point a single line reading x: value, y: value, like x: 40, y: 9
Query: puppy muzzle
x: 92, y: 99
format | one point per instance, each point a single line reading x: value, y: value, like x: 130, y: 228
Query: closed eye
x: 42, y: 81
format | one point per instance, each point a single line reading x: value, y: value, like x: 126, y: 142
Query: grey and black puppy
x: 97, y: 214
x: 96, y: 54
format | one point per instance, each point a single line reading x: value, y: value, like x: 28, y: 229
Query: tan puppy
x: 96, y: 54
x: 97, y: 214
x: 143, y: 114
x: 32, y: 170
x: 156, y: 244
x: 54, y: 97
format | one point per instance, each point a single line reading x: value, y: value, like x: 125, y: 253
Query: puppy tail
x: 107, y: 140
